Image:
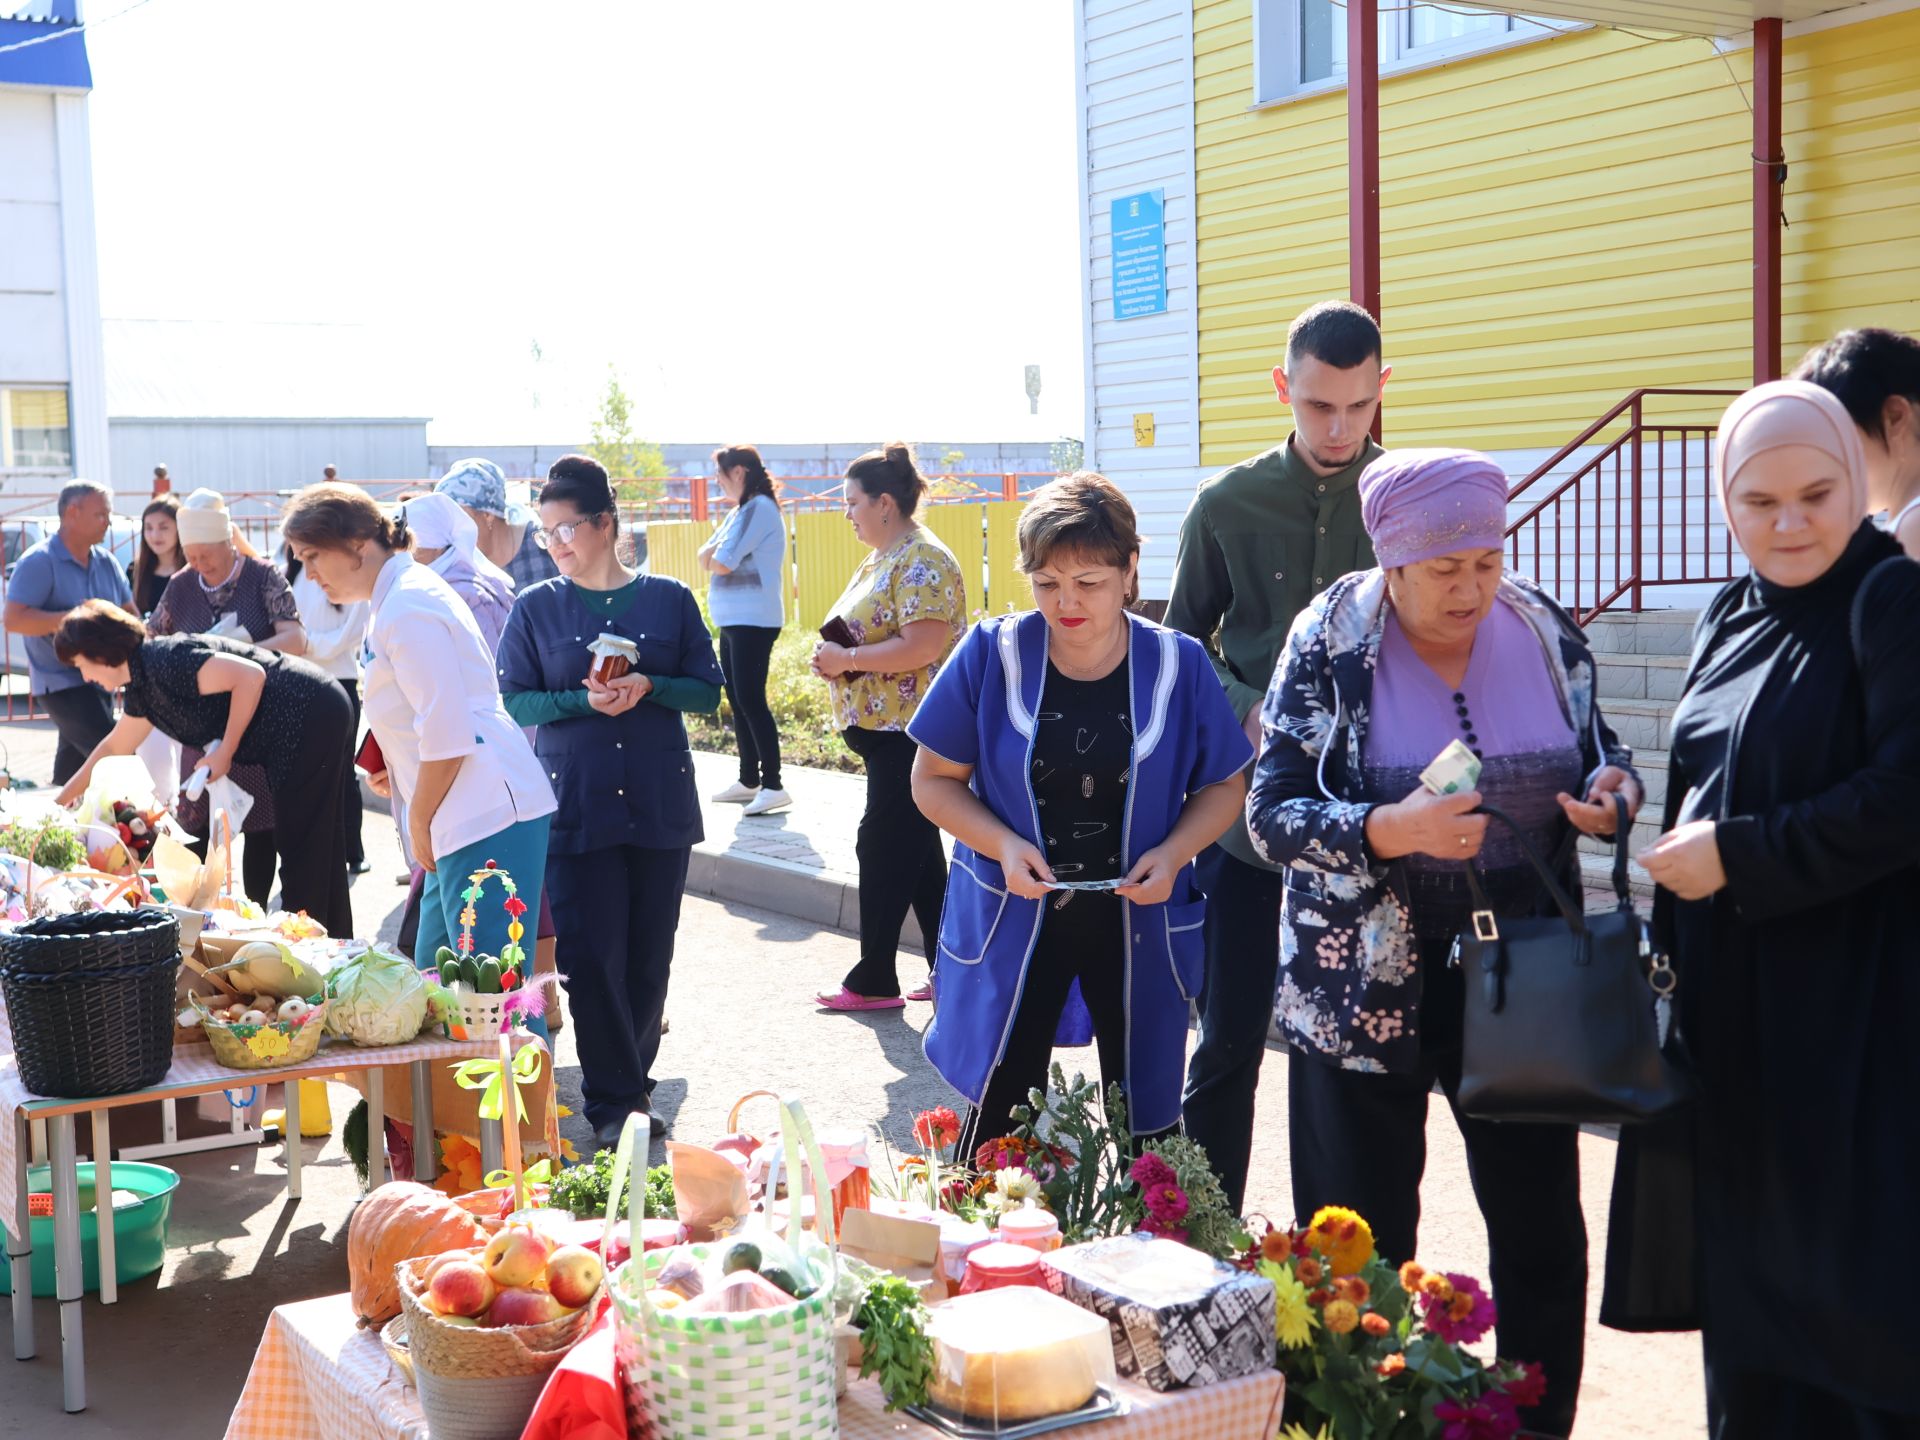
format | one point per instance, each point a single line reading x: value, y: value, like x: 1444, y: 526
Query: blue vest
x: 980, y: 712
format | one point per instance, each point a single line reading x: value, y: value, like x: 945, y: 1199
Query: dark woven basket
x: 92, y: 941
x: 92, y: 1032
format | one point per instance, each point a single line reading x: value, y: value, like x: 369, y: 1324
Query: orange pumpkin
x: 399, y: 1221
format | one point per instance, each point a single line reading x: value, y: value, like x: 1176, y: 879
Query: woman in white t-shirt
x: 472, y: 790
x: 335, y: 634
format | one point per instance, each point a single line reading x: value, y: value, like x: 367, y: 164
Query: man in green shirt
x: 1259, y: 542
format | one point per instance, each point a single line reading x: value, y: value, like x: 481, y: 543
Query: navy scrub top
x: 620, y: 779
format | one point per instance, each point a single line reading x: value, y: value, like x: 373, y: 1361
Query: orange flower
x: 1410, y: 1276
x: 1460, y: 1307
x: 1319, y: 1297
x: 1391, y: 1366
x: 1343, y: 1237
x: 1307, y: 1270
x: 1276, y: 1245
x: 1375, y: 1324
x: 1437, y: 1286
x: 1352, y: 1287
x: 460, y: 1158
x: 1342, y: 1317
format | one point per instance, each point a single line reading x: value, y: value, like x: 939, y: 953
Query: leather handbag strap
x: 1622, y: 824
x: 1485, y: 924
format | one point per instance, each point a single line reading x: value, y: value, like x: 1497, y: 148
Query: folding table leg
x: 376, y: 1128
x: 493, y: 1144
x: 66, y: 1259
x: 290, y: 1127
x: 20, y: 1252
x: 426, y: 1157
x: 107, y: 1240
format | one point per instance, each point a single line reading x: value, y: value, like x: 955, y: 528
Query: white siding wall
x: 33, y: 327
x: 1135, y: 82
x: 262, y: 455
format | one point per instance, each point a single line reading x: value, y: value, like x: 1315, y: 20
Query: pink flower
x: 1490, y: 1417
x: 1165, y: 1232
x: 1167, y: 1204
x: 1150, y: 1172
x: 1528, y: 1388
x: 1463, y: 1319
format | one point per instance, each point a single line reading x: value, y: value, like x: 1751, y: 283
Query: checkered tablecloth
x: 317, y: 1377
x: 195, y: 1071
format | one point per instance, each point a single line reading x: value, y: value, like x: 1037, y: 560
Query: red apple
x: 519, y: 1306
x: 573, y: 1274
x: 516, y: 1257
x: 460, y: 1287
x: 446, y: 1257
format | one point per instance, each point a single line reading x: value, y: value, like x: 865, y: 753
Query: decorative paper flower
x: 1491, y: 1417
x: 1528, y: 1388
x: 1150, y: 1172
x: 1295, y: 1320
x: 268, y: 1043
x: 514, y: 906
x: 1343, y: 1237
x: 1341, y: 1316
x: 936, y: 1128
x: 1464, y: 1316
x: 1375, y: 1324
x: 460, y: 1158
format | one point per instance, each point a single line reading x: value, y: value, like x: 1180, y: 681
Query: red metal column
x: 1769, y: 174
x: 1363, y: 161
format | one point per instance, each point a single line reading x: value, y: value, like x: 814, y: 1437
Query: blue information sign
x: 1140, y: 255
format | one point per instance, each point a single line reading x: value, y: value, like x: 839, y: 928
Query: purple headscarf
x: 1419, y: 504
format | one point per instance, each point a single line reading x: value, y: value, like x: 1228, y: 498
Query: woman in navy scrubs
x: 617, y: 757
x: 1074, y: 744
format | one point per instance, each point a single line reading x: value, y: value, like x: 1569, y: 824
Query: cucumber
x: 456, y: 972
x: 443, y: 957
x: 488, y: 981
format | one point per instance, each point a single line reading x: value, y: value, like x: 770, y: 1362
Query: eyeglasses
x: 544, y: 538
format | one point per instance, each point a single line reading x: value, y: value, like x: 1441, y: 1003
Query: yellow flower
x: 1295, y: 1320
x: 1343, y: 1237
x: 268, y: 1043
x: 1297, y: 1431
x: 1411, y: 1275
x: 1342, y: 1316
x: 1438, y: 1286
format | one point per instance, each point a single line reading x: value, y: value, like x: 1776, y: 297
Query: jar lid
x: 1002, y: 1258
x: 1028, y: 1222
x: 607, y: 643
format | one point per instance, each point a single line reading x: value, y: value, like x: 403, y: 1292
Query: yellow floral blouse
x: 916, y: 579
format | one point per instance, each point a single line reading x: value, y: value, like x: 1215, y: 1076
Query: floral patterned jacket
x: 1349, y: 983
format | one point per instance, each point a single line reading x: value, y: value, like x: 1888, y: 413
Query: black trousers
x: 1080, y: 940
x: 744, y: 653
x: 902, y: 863
x: 616, y: 910
x: 1236, y: 1003
x: 1360, y: 1140
x: 350, y: 803
x: 309, y: 829
x: 1750, y: 1404
x: 83, y: 714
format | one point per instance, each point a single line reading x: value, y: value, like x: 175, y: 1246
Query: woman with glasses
x: 616, y: 754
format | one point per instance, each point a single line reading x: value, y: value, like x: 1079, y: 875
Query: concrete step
x: 1643, y: 724
x: 1651, y: 632
x: 1626, y: 675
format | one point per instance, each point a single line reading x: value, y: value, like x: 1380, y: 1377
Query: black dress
x: 298, y: 738
x: 1800, y: 986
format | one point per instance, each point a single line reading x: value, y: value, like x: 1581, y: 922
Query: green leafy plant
x: 583, y: 1189
x: 1089, y: 1190
x: 638, y: 469
x: 51, y: 843
x: 1206, y: 1221
x: 894, y: 1344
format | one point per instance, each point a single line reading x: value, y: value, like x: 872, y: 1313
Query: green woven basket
x: 765, y: 1373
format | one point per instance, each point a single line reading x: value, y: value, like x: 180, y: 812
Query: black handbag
x: 1568, y: 1017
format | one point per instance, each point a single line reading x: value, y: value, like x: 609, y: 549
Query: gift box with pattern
x: 1178, y: 1317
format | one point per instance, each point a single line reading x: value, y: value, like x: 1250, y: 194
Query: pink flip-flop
x: 925, y: 992
x: 847, y: 1000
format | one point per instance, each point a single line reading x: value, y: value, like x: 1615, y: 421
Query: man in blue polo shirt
x: 66, y: 568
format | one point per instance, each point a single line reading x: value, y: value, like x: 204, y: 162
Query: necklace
x: 1099, y: 668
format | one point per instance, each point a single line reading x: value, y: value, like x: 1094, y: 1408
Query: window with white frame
x: 1300, y: 46
x: 35, y: 433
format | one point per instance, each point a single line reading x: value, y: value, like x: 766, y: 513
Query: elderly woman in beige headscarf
x: 1790, y: 905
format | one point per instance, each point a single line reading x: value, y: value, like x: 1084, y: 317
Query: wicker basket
x: 244, y: 1047
x: 83, y: 1034
x: 477, y: 1017
x: 94, y: 941
x: 481, y: 1384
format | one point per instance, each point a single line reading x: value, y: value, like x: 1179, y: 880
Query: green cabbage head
x: 378, y: 999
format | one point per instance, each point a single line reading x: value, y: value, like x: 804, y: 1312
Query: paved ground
x: 178, y: 1344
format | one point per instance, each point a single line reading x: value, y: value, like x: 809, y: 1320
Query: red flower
x: 1528, y: 1388
x: 936, y: 1128
x: 1151, y: 1173
x: 1463, y: 1318
x: 1491, y: 1417
x: 1167, y: 1204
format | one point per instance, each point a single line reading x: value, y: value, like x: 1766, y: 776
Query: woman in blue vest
x: 1073, y: 745
x: 617, y: 757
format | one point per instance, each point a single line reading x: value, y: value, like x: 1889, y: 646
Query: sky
x: 810, y: 221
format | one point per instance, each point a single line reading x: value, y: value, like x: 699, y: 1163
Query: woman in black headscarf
x: 1789, y: 900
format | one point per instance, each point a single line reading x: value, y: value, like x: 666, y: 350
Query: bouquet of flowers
x: 1375, y: 1353
x: 1184, y: 1199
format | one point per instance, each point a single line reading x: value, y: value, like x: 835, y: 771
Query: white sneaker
x: 767, y: 801
x: 735, y: 794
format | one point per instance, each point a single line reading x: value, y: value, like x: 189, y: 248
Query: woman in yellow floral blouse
x: 904, y: 609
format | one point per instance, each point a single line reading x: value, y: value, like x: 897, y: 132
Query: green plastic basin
x: 139, y: 1231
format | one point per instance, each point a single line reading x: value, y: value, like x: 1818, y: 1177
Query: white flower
x: 1015, y: 1186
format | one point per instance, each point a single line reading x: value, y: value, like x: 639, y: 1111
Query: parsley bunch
x: 894, y: 1344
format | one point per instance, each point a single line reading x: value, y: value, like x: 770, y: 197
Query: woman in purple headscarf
x: 1788, y: 902
x: 1386, y: 669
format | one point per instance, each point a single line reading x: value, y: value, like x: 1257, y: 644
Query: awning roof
x: 1684, y: 17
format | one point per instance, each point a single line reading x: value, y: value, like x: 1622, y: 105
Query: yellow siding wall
x: 673, y: 548
x: 1562, y: 222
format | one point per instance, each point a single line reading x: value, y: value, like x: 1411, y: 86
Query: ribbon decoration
x: 486, y: 1074
x: 539, y: 1173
